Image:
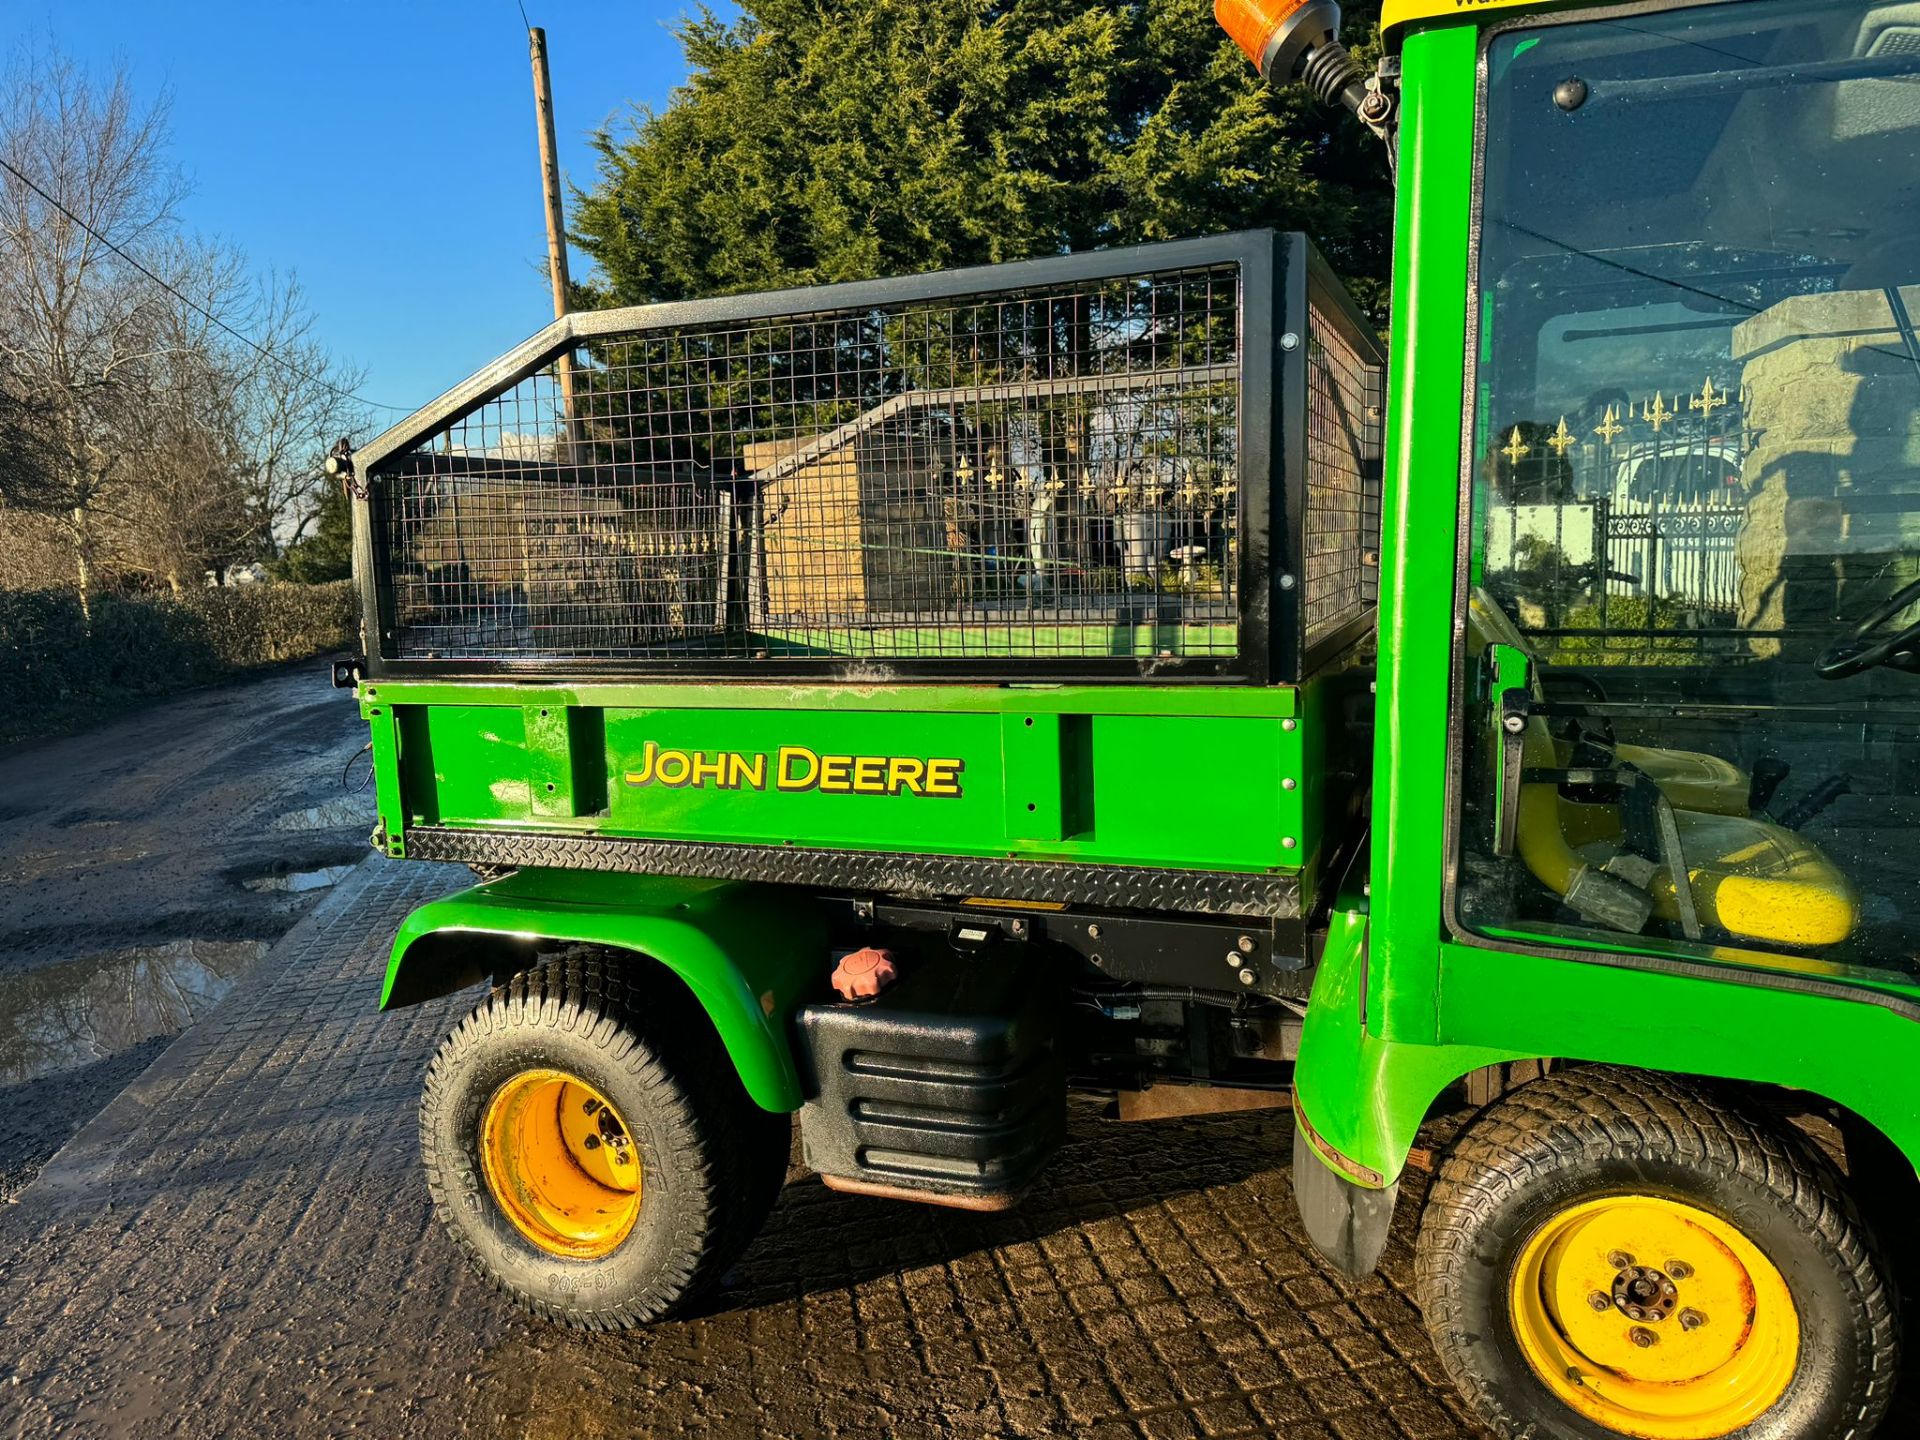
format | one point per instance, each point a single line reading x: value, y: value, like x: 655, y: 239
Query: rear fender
x: 748, y: 953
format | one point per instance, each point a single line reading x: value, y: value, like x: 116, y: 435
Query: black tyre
x: 1609, y: 1252
x: 591, y: 1150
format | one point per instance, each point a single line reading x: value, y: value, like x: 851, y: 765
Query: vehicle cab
x: 1647, y: 777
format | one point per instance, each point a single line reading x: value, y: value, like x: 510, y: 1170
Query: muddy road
x: 145, y: 866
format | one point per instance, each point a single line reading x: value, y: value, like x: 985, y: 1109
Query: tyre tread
x: 714, y: 1131
x: 1598, y: 1112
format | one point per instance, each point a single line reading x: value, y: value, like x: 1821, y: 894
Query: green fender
x: 747, y: 952
x: 1363, y: 1096
x: 1360, y: 1097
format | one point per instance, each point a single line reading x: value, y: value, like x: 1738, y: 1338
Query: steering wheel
x: 1856, y: 651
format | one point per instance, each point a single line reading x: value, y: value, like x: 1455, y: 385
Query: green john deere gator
x: 905, y: 703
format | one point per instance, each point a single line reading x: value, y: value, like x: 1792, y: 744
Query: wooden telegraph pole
x: 556, y: 220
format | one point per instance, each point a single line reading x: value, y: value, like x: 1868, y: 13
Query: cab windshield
x: 1696, y: 488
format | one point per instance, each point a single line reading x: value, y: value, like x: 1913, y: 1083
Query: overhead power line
x: 194, y: 305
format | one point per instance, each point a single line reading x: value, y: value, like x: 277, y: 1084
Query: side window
x: 1694, y: 708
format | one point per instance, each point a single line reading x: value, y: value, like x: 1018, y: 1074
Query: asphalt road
x: 242, y: 1244
x: 146, y: 866
x: 235, y: 1238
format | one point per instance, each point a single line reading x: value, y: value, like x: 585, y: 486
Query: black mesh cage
x: 1072, y: 466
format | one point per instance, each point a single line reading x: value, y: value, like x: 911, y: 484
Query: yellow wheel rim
x: 1654, y: 1319
x: 561, y: 1163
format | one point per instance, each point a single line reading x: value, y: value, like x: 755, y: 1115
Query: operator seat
x: 1749, y: 878
x: 1688, y: 778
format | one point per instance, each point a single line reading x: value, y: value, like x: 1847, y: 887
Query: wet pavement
x: 243, y: 1241
x: 146, y: 866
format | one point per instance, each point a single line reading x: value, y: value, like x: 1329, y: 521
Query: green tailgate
x: 1198, y: 777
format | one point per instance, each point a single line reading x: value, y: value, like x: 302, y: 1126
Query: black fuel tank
x: 946, y: 1087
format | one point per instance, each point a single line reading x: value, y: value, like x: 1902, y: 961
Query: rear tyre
x: 591, y: 1150
x: 1609, y: 1252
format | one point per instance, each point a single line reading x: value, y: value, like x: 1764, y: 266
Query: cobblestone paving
x: 241, y: 1243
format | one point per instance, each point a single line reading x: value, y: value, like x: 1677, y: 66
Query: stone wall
x: 1833, y: 409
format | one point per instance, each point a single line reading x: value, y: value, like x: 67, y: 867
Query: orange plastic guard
x: 1251, y: 23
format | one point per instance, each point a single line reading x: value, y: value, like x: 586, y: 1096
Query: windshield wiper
x: 1660, y: 89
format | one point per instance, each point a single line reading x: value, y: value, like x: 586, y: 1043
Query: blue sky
x: 383, y: 152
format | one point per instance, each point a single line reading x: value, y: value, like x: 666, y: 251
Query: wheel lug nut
x: 1642, y: 1337
x: 1691, y: 1319
x: 593, y: 1142
x: 1634, y: 1312
x: 1619, y: 1259
x: 1600, y: 1300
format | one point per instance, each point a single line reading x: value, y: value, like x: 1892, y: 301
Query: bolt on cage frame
x: 970, y: 475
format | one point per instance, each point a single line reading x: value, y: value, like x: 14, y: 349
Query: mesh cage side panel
x: 1049, y: 473
x: 1341, y: 543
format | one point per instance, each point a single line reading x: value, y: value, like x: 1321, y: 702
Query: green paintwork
x: 1397, y: 1013
x: 1113, y: 774
x: 1418, y: 524
x: 746, y: 952
x: 1367, y: 1095
x: 1363, y: 1094
x: 1187, y: 775
x: 1857, y: 1053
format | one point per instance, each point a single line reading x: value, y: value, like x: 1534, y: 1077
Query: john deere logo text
x: 794, y: 767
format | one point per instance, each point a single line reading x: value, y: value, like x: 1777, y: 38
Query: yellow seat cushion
x: 1758, y: 881
x: 1691, y: 780
x: 1751, y: 879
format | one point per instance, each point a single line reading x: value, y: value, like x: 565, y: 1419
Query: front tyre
x: 1609, y: 1253
x: 592, y: 1151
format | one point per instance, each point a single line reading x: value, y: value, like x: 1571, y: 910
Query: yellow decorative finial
x: 1657, y: 413
x: 1708, y: 400
x: 1516, y: 449
x: 1610, y: 428
x: 1562, y: 439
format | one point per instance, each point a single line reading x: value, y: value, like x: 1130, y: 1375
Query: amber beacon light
x: 1296, y: 40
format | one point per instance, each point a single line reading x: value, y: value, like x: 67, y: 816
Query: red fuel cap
x: 864, y: 973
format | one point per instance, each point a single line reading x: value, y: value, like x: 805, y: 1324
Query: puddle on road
x: 349, y: 811
x: 299, y: 882
x: 77, y: 1011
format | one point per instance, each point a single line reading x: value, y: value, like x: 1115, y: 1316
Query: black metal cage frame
x: 1292, y: 315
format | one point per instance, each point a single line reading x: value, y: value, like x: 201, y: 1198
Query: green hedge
x: 53, y: 669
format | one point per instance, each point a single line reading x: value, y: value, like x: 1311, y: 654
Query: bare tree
x: 183, y: 509
x: 173, y: 410
x: 242, y: 426
x: 294, y: 401
x: 84, y: 180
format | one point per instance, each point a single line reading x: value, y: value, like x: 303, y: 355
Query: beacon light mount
x: 1289, y: 40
